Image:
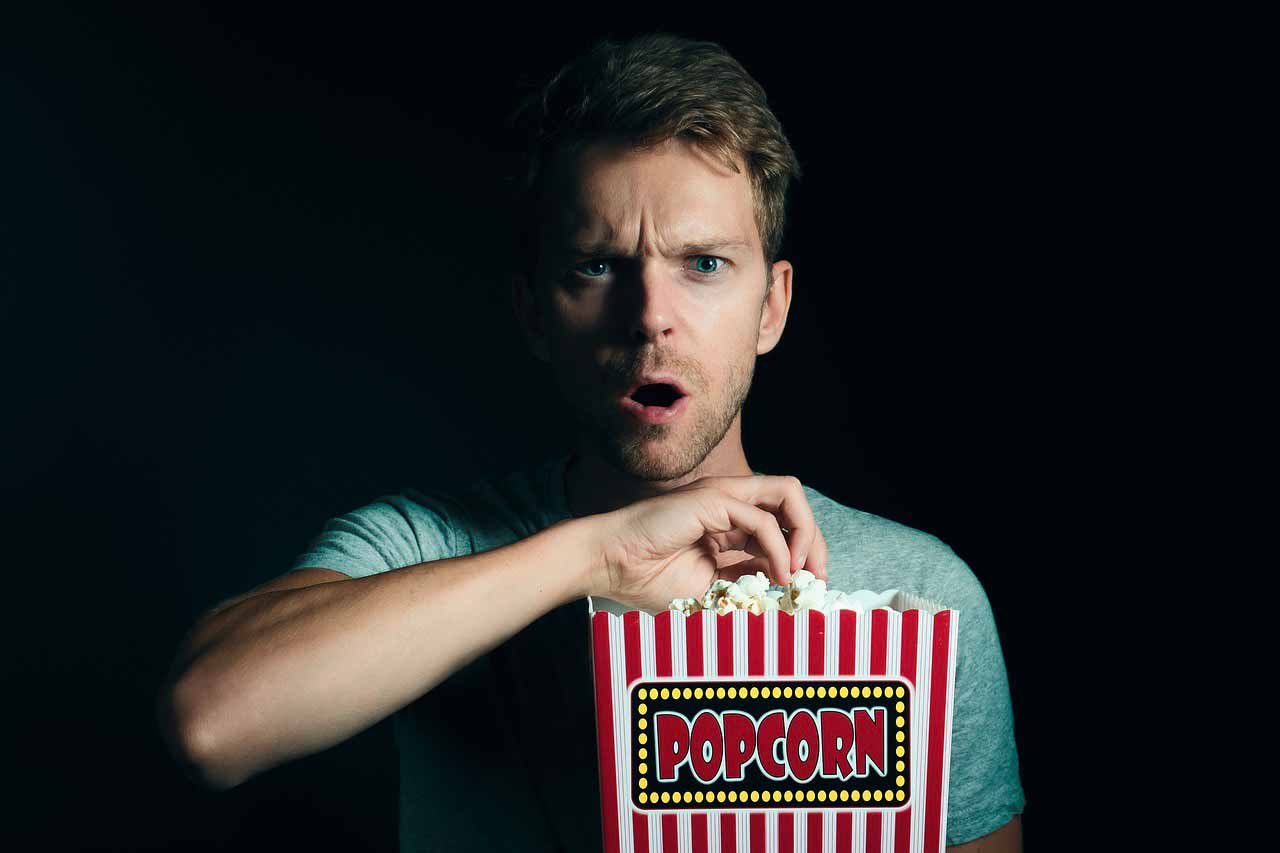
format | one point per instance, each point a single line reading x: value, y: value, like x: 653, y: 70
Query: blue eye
x: 700, y: 258
x: 582, y: 269
x: 704, y: 265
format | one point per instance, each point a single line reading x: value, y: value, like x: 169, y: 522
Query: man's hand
x: 674, y: 545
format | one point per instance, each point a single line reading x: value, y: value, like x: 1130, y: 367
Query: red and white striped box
x: 774, y: 733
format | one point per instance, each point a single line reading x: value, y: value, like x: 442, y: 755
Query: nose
x: 654, y: 315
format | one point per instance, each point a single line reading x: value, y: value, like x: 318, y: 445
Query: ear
x: 777, y: 302
x: 525, y: 305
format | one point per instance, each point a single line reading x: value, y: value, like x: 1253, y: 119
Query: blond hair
x: 643, y: 92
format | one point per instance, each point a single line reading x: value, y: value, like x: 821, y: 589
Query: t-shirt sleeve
x: 985, y: 787
x: 390, y: 533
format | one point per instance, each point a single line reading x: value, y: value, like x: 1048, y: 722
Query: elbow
x: 186, y: 727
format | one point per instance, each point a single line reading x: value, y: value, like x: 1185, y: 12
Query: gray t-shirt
x: 495, y: 757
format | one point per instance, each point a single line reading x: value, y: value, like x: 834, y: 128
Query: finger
x: 818, y: 557
x: 747, y: 543
x: 745, y: 568
x: 763, y: 527
x: 738, y: 540
x: 731, y: 540
x: 786, y: 498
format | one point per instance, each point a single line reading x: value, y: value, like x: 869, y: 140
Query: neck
x: 594, y: 485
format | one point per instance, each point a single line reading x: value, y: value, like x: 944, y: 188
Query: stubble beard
x: 662, y: 452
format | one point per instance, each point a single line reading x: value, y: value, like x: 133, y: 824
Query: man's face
x: 651, y: 264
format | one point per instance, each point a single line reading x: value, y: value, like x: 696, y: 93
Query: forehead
x: 671, y: 195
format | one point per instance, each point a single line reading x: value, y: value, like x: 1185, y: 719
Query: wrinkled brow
x: 607, y: 249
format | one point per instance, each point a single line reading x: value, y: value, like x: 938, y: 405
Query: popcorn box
x: 781, y: 732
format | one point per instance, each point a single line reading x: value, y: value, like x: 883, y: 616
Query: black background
x: 252, y: 270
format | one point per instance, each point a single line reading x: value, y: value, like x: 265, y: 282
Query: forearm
x: 286, y: 674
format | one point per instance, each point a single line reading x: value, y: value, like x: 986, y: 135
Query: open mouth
x: 661, y: 394
x: 656, y: 402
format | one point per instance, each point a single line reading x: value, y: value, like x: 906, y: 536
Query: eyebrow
x: 607, y: 249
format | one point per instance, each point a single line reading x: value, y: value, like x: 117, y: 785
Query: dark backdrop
x: 253, y: 278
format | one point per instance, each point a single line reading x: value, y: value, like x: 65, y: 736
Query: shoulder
x: 868, y: 551
x: 416, y: 525
x: 495, y: 509
x: 873, y: 535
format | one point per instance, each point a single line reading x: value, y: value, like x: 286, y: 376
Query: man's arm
x: 1006, y: 839
x: 269, y: 677
x: 985, y: 785
x: 273, y: 676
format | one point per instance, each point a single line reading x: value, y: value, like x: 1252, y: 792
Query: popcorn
x: 685, y: 605
x: 800, y: 579
x: 865, y: 599
x: 637, y: 660
x: 813, y: 594
x: 753, y: 586
x: 712, y: 595
x: 835, y: 600
x: 755, y: 594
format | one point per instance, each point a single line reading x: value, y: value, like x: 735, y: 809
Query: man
x: 656, y: 193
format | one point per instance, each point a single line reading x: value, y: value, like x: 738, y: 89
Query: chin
x: 655, y: 465
x: 659, y: 453
x: 655, y: 454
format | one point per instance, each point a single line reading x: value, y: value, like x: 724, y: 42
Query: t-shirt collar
x: 555, y: 487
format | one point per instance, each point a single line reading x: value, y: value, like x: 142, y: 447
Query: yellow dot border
x: 790, y: 795
x: 801, y: 690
